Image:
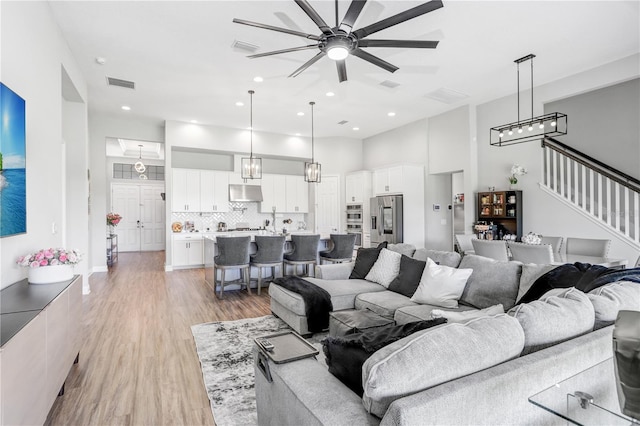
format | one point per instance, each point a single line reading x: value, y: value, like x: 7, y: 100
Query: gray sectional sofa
x: 476, y: 369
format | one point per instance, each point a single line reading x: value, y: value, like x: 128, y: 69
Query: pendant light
x: 528, y: 129
x: 312, y: 172
x: 139, y: 166
x: 251, y: 168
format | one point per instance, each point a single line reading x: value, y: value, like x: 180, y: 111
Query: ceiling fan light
x: 338, y: 53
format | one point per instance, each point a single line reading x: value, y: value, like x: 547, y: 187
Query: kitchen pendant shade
x: 312, y: 170
x: 251, y: 167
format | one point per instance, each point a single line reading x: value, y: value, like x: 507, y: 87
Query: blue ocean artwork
x: 13, y: 188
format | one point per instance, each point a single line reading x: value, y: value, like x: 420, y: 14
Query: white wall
x: 33, y: 54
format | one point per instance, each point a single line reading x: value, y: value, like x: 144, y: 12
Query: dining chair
x: 541, y: 254
x: 555, y: 242
x: 588, y: 247
x: 495, y: 249
x: 463, y: 242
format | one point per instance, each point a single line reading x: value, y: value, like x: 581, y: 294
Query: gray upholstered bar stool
x: 269, y: 255
x: 305, y: 252
x: 342, y: 250
x: 233, y: 253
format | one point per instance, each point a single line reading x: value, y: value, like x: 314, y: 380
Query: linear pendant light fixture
x: 251, y: 168
x: 530, y: 129
x: 312, y: 170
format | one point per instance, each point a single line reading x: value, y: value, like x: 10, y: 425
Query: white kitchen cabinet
x: 389, y: 180
x: 297, y: 195
x: 358, y: 187
x: 214, y: 191
x: 187, y: 251
x: 273, y: 193
x: 185, y: 190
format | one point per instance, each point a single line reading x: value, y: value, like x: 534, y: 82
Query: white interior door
x: 328, y: 205
x: 142, y: 211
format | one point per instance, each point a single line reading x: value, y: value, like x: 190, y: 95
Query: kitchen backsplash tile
x: 240, y: 212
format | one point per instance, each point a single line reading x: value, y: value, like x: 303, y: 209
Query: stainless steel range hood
x: 245, y: 193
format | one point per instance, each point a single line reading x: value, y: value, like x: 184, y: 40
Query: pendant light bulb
x: 139, y: 166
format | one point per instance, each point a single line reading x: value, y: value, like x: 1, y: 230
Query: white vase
x: 50, y: 274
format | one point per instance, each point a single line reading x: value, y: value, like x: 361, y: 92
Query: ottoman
x: 342, y: 323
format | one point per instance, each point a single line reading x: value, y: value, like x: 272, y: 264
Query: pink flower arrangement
x: 113, y: 219
x: 50, y: 257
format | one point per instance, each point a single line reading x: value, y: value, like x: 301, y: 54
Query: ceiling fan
x: 340, y: 41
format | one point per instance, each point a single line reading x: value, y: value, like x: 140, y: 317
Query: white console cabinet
x: 40, y: 343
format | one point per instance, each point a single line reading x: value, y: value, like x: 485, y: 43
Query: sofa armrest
x: 335, y: 271
x: 303, y: 392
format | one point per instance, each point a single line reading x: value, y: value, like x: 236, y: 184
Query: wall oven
x: 355, y: 219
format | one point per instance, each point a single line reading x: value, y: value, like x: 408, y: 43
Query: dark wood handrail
x: 586, y: 160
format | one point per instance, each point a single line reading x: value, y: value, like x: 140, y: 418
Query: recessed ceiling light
x: 194, y: 121
x: 258, y: 79
x: 297, y: 134
x: 391, y: 114
x: 100, y: 60
x: 239, y: 103
x: 126, y: 108
x: 300, y: 114
x: 330, y: 94
x: 356, y: 128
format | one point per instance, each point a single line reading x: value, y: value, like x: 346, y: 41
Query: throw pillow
x: 409, y: 276
x: 447, y: 258
x: 365, y: 259
x: 441, y: 285
x: 385, y: 269
x: 464, y: 316
x: 530, y: 273
x: 345, y: 355
x: 492, y: 282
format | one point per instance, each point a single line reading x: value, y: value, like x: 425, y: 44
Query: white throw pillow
x: 464, y: 316
x: 441, y: 285
x: 385, y: 269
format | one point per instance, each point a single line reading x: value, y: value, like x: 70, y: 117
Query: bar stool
x: 305, y: 252
x: 342, y: 250
x: 233, y: 253
x: 269, y: 255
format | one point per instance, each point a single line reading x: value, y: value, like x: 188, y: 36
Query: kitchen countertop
x: 212, y: 235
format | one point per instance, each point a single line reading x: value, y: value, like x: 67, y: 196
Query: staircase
x: 605, y: 195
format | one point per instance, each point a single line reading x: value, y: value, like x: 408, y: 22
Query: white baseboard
x: 168, y: 268
x: 100, y: 269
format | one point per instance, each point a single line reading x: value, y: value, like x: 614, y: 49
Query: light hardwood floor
x: 138, y: 363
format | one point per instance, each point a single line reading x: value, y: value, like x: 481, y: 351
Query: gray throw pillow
x: 402, y: 248
x: 446, y: 258
x: 409, y: 276
x: 491, y: 282
x: 365, y: 260
x: 530, y: 273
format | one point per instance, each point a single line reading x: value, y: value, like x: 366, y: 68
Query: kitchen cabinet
x: 297, y: 195
x: 187, y: 250
x: 358, y: 187
x: 185, y: 190
x: 273, y: 193
x: 214, y: 191
x: 390, y: 180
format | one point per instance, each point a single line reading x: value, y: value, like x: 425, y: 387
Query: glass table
x: 588, y: 398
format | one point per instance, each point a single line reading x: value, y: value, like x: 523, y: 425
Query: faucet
x: 273, y: 215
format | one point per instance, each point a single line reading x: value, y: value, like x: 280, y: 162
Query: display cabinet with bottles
x: 502, y: 209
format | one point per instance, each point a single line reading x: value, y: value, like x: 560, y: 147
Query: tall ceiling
x: 182, y: 58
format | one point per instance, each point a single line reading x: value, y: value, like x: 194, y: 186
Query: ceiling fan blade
x: 277, y: 52
x: 278, y: 29
x: 399, y: 18
x: 311, y: 12
x: 425, y: 44
x: 307, y: 64
x: 342, y: 70
x: 352, y: 14
x: 374, y: 60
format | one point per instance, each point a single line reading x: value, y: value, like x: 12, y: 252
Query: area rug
x: 225, y: 352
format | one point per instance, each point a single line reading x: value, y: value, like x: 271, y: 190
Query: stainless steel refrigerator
x: 386, y: 219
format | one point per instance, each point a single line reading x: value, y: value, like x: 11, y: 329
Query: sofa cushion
x: 443, y: 353
x: 365, y: 259
x: 402, y: 248
x: 491, y: 282
x: 382, y: 303
x: 409, y: 276
x: 346, y: 354
x: 464, y: 316
x: 447, y: 258
x: 611, y: 298
x: 530, y: 273
x: 386, y: 268
x: 559, y: 315
x: 441, y: 285
x: 412, y: 313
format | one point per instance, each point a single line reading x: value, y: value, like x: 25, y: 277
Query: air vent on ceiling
x: 343, y: 122
x: 121, y: 83
x: 243, y: 45
x: 390, y: 84
x: 447, y: 96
